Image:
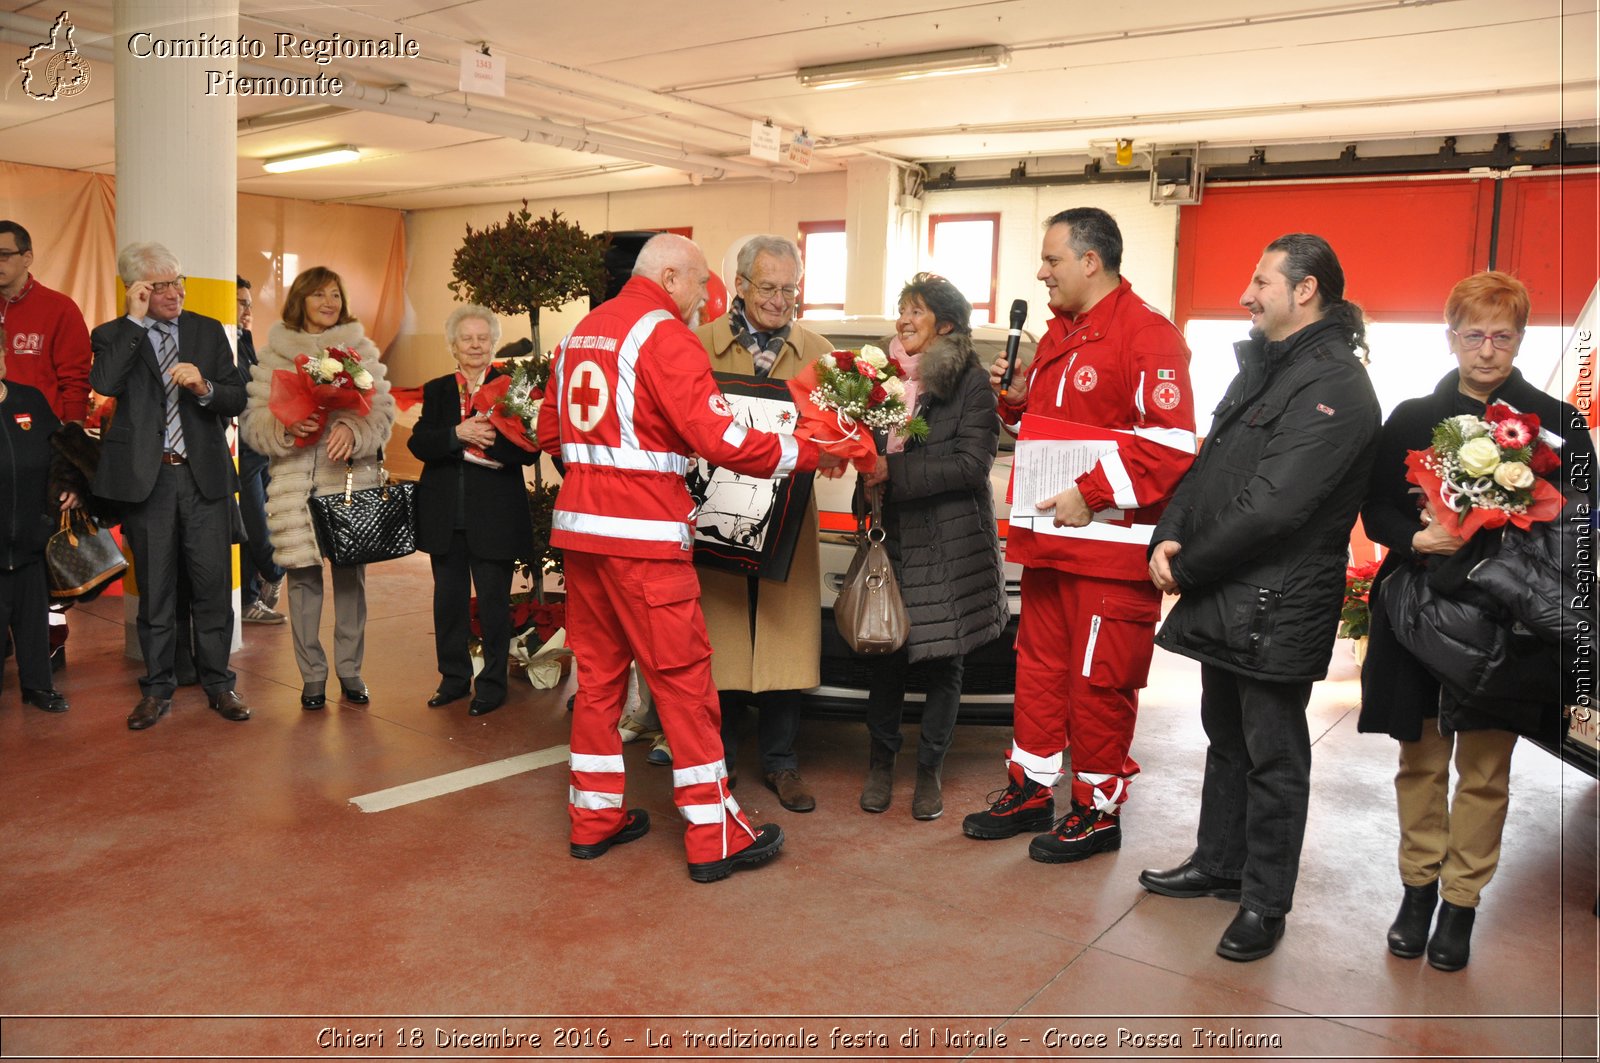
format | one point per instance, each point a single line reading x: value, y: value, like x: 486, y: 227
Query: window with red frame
x: 823, y: 251
x: 965, y: 250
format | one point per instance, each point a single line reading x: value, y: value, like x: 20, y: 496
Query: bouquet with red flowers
x: 1355, y: 617
x: 843, y: 397
x: 511, y: 401
x: 335, y: 380
x: 1481, y: 472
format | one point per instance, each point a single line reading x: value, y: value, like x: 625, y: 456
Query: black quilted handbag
x: 372, y: 524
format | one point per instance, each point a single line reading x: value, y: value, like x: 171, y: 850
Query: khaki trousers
x: 1457, y: 842
x: 349, y: 621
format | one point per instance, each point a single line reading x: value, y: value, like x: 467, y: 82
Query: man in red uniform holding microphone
x: 1089, y: 609
x: 630, y: 396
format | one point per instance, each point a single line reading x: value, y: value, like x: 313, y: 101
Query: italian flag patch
x: 1166, y: 374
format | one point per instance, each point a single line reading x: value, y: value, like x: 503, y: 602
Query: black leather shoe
x: 1250, y: 936
x: 1186, y: 881
x: 147, y: 712
x: 230, y: 706
x: 635, y: 825
x: 312, y: 701
x: 444, y: 697
x: 1408, y: 934
x: 484, y: 708
x: 1451, y: 943
x: 769, y: 839
x: 354, y: 692
x: 48, y: 700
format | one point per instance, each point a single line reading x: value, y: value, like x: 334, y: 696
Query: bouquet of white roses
x: 1481, y: 472
x: 332, y: 380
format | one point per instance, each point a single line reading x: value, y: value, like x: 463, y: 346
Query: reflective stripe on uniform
x: 628, y: 370
x: 788, y: 455
x: 595, y: 762
x: 622, y: 458
x: 702, y: 815
x: 655, y: 531
x: 592, y: 799
x: 1036, y: 765
x: 735, y: 435
x: 1121, y: 484
x: 1176, y: 438
x: 1088, y: 649
x: 699, y: 773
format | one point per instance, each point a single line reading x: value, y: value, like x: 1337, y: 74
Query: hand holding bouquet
x: 333, y: 380
x: 1481, y: 472
x: 511, y: 401
x: 844, y: 397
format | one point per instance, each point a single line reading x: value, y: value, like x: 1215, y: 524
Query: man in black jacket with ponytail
x: 1255, y: 542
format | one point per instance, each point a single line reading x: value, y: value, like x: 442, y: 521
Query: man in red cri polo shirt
x: 47, y: 341
x: 630, y: 396
x: 1089, y: 610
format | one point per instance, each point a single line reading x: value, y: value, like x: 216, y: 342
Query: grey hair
x: 662, y: 252
x: 137, y: 262
x: 767, y: 244
x: 467, y: 311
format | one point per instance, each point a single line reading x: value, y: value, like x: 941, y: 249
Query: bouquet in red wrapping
x: 1484, y: 471
x: 844, y: 397
x: 511, y: 401
x: 336, y: 380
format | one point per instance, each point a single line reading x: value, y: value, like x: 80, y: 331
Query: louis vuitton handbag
x: 372, y: 524
x: 82, y: 557
x: 869, y: 613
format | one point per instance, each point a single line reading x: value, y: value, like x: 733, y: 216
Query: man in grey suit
x: 165, y: 458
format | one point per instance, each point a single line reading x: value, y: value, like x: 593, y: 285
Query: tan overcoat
x: 787, y: 650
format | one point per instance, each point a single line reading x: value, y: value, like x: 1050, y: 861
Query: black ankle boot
x: 1408, y: 934
x: 878, y: 788
x: 1452, y: 937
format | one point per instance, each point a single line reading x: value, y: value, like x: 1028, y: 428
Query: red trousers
x: 621, y: 610
x: 1083, y: 653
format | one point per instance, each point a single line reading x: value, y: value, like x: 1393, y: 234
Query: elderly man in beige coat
x: 766, y: 638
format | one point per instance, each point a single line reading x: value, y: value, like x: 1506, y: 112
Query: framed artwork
x: 742, y: 523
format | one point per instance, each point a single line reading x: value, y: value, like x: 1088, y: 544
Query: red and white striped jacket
x: 1122, y: 365
x: 630, y: 397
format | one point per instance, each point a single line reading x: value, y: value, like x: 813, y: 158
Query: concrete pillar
x: 880, y: 236
x: 177, y: 168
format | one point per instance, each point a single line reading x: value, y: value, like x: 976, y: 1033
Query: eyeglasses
x: 1471, y: 341
x: 157, y: 287
x: 767, y: 291
x: 7, y: 256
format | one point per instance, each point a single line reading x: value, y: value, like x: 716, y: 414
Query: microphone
x: 1019, y: 314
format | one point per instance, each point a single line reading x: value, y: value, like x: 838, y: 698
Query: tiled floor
x: 206, y: 869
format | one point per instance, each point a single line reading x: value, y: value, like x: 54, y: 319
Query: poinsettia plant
x: 1355, y: 617
x: 1482, y: 472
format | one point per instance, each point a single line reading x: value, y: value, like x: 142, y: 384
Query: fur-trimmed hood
x: 942, y: 364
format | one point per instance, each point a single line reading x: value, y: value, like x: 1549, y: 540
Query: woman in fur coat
x: 316, y: 316
x: 938, y: 512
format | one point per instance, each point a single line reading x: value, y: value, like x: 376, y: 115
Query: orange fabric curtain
x: 71, y: 216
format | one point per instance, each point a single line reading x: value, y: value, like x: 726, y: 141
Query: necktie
x: 167, y: 357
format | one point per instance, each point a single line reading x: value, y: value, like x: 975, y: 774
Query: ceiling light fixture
x: 309, y: 160
x: 905, y: 67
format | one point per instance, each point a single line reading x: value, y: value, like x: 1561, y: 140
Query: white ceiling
x: 685, y: 80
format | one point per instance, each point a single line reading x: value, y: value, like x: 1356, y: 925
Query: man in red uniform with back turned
x: 630, y: 396
x: 1089, y: 609
x: 48, y: 343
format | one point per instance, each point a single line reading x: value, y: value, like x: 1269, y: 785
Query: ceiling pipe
x: 358, y: 95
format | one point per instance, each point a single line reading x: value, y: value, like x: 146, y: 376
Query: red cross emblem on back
x: 588, y: 396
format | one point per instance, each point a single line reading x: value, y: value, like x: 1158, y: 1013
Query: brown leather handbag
x: 869, y: 613
x: 82, y: 557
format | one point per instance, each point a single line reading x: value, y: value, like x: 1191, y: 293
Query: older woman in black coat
x: 938, y: 513
x: 1449, y: 849
x: 472, y: 513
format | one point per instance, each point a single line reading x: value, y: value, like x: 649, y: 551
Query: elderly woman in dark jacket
x: 472, y: 513
x: 939, y: 515
x: 1449, y: 850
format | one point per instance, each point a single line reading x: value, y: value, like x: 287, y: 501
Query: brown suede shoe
x: 791, y: 790
x: 147, y: 712
x: 230, y: 706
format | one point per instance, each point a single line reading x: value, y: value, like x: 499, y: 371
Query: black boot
x: 879, y: 786
x: 1408, y: 934
x: 927, y: 801
x: 1452, y: 937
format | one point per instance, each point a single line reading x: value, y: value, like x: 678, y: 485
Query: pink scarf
x: 910, y: 365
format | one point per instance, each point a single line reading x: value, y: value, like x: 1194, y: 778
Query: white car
x: 990, y: 679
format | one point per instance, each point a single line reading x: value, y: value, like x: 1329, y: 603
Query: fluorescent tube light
x: 905, y: 67
x: 308, y: 160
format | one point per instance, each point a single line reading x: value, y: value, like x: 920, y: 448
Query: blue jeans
x: 1257, y: 785
x: 255, y: 559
